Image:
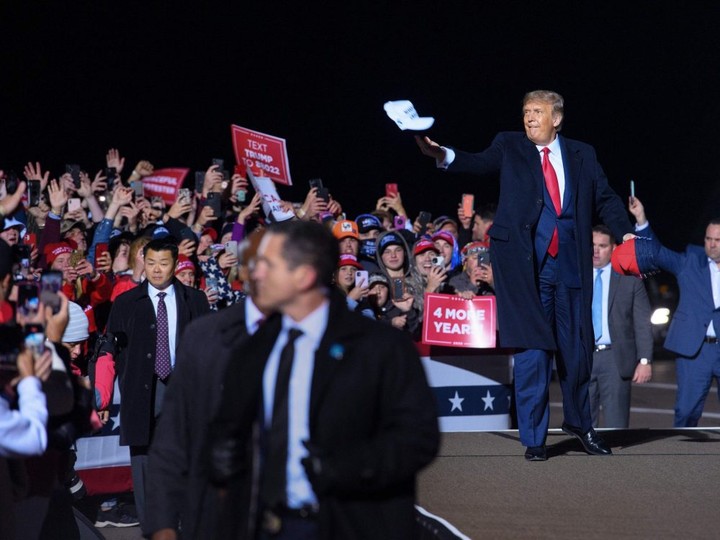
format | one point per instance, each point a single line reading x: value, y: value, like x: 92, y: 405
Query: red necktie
x: 551, y: 183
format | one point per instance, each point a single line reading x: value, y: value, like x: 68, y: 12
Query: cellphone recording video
x: 34, y: 192
x: 399, y: 222
x: 220, y: 164
x: 75, y: 257
x: 22, y: 256
x: 231, y: 246
x: 468, y: 204
x: 30, y: 240
x: 361, y: 279
x: 74, y: 204
x: 138, y: 188
x: 184, y: 195
x: 199, y: 181
x: 11, y: 183
x: 110, y: 176
x: 483, y: 258
x: 74, y: 171
x: 214, y: 201
x: 221, y: 169
x: 397, y: 289
x: 28, y: 300
x: 100, y: 249
x: 50, y: 285
x: 324, y: 194
x: 211, y: 283
x: 316, y: 183
x: 423, y: 220
x: 391, y: 190
x: 34, y: 338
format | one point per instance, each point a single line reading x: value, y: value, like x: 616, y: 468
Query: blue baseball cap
x: 367, y: 223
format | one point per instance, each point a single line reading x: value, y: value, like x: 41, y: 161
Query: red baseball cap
x: 349, y: 260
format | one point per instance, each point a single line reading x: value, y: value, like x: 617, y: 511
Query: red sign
x: 263, y: 154
x: 453, y: 321
x: 165, y: 183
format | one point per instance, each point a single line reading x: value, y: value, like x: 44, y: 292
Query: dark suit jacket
x: 629, y: 321
x: 696, y: 307
x: 178, y: 489
x: 521, y: 318
x: 132, y: 320
x: 372, y: 415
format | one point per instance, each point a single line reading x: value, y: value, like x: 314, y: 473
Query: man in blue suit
x: 695, y: 327
x: 541, y: 242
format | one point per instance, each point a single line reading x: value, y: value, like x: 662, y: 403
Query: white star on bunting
x: 456, y: 402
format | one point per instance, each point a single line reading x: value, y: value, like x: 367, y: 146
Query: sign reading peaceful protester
x: 165, y: 183
x: 453, y: 321
x: 264, y: 155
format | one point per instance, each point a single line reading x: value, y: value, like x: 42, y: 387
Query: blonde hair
x: 137, y: 245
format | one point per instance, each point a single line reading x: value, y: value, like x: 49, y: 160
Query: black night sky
x: 164, y: 83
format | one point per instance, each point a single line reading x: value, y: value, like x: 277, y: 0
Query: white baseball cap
x: 403, y: 113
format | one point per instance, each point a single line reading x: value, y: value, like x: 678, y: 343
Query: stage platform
x: 659, y: 483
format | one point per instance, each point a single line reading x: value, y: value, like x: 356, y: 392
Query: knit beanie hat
x: 77, y: 328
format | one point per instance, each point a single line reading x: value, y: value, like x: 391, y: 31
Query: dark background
x: 163, y: 82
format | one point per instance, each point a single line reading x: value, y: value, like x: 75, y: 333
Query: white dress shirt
x: 715, y: 284
x: 171, y: 306
x: 253, y: 316
x: 299, y: 490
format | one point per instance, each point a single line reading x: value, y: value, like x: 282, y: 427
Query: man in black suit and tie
x: 147, y: 323
x: 623, y: 336
x: 345, y: 413
x: 542, y: 246
x: 179, y: 494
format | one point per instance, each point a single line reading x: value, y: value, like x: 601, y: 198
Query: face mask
x: 368, y: 248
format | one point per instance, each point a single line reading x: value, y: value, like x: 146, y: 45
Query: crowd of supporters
x: 81, y: 238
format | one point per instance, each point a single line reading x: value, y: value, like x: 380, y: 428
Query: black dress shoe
x: 591, y: 441
x: 536, y: 453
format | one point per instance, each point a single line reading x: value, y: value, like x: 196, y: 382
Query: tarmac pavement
x: 651, y: 407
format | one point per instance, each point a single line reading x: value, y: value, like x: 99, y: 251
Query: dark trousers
x: 533, y: 367
x: 694, y: 377
x: 294, y: 529
x: 139, y: 456
x: 138, y: 468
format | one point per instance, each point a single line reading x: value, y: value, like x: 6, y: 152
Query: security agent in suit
x: 695, y: 327
x: 133, y: 321
x: 623, y: 336
x: 361, y: 419
x: 542, y: 261
x: 179, y: 495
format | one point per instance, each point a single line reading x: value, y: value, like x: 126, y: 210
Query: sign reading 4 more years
x: 453, y: 321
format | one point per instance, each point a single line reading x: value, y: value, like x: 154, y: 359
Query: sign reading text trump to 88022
x: 452, y: 321
x: 264, y: 155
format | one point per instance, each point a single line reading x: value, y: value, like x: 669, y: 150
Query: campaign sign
x: 165, y: 183
x: 262, y: 154
x: 270, y: 198
x: 453, y: 321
